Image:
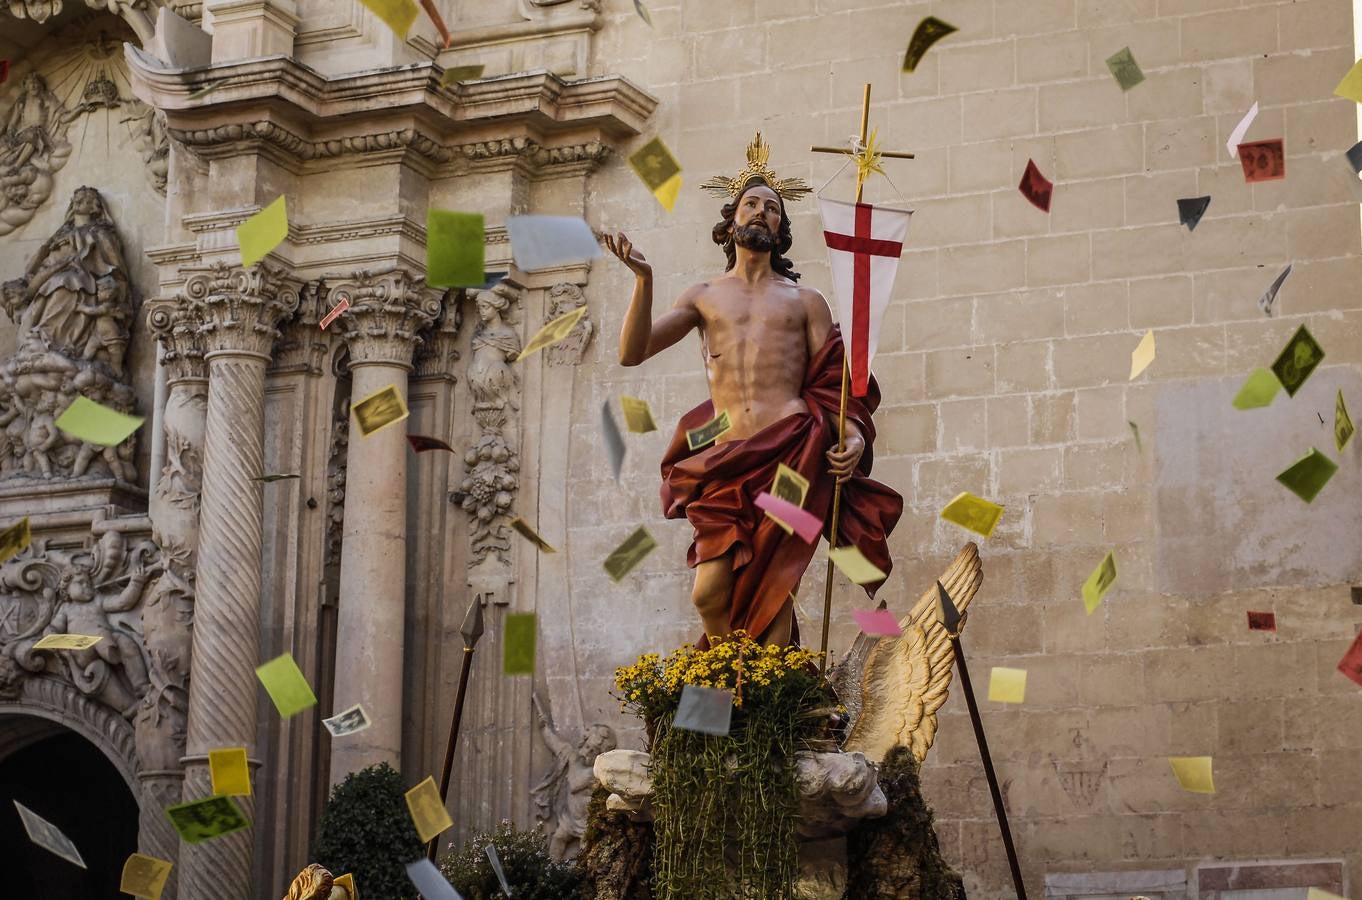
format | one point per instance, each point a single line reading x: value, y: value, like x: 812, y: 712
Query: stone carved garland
x: 73, y: 305
x: 492, y: 463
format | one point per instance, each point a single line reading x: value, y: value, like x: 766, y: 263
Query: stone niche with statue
x: 72, y: 305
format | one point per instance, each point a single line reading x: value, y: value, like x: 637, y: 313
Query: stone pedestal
x: 249, y: 29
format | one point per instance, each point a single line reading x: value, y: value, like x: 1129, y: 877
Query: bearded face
x: 755, y: 236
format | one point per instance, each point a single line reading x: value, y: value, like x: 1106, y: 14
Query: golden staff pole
x: 841, y: 426
x: 438, y: 22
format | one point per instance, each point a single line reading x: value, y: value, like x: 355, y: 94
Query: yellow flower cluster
x: 739, y: 664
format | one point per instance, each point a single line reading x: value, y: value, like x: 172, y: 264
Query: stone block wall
x: 1004, y: 362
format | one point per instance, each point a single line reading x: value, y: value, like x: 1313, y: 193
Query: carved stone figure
x: 73, y: 307
x: 564, y: 297
x: 148, y: 130
x: 94, y: 592
x: 33, y: 147
x: 490, y: 484
x: 37, y: 10
x: 565, y: 792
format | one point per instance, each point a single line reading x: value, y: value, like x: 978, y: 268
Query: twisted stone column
x: 241, y: 311
x: 386, y: 311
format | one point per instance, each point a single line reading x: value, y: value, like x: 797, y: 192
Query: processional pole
x: 861, y: 173
x: 952, y: 619
x: 471, y: 630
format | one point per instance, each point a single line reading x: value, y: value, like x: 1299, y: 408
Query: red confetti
x: 1351, y: 664
x: 1036, y: 187
x: 1263, y: 160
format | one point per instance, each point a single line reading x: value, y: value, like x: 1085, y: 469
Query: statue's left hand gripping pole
x: 471, y: 631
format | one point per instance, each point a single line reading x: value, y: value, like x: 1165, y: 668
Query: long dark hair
x: 723, y: 235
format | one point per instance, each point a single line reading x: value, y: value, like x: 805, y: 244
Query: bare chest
x: 745, y: 320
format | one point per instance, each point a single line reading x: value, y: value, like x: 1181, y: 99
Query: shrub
x: 366, y: 829
x: 531, y: 873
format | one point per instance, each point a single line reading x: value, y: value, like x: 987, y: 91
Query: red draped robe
x: 716, y: 488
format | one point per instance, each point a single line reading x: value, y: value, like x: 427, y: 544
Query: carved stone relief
x: 147, y: 128
x: 33, y: 138
x: 41, y: 10
x: 335, y: 484
x: 492, y: 462
x: 131, y: 688
x: 563, y: 298
x: 96, y: 592
x: 73, y: 305
x: 562, y: 795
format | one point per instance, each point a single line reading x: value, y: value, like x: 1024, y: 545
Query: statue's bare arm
x: 641, y: 338
x: 557, y: 746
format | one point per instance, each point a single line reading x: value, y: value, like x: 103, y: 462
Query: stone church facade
x: 142, y: 140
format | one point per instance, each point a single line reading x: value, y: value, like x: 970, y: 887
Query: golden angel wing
x: 905, y: 680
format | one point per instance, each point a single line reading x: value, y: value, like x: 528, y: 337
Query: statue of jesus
x: 773, y: 358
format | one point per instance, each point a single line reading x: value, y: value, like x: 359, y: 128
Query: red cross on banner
x: 864, y: 246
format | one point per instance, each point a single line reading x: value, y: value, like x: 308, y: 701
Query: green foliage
x: 898, y: 855
x: 366, y: 829
x: 725, y: 807
x: 531, y: 873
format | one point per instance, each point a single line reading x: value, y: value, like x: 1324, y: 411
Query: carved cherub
x: 118, y: 457
x: 82, y: 609
x: 563, y: 795
x: 110, y: 315
x: 43, y: 434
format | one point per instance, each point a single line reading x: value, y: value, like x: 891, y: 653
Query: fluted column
x: 386, y: 311
x: 241, y: 311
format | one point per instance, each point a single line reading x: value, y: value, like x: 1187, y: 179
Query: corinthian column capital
x: 387, y: 311
x: 241, y: 309
x: 176, y: 324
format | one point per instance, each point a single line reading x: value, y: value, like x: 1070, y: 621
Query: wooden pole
x: 953, y: 621
x: 841, y: 427
x: 471, y: 631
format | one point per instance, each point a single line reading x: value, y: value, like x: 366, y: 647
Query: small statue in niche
x: 563, y: 795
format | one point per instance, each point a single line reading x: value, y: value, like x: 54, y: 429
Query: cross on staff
x: 863, y: 246
x: 867, y: 157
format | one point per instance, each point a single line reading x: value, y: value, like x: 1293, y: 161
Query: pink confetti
x: 877, y: 621
x: 805, y: 523
x: 340, y: 307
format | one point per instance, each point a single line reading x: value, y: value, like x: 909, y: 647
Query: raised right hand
x: 621, y: 246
